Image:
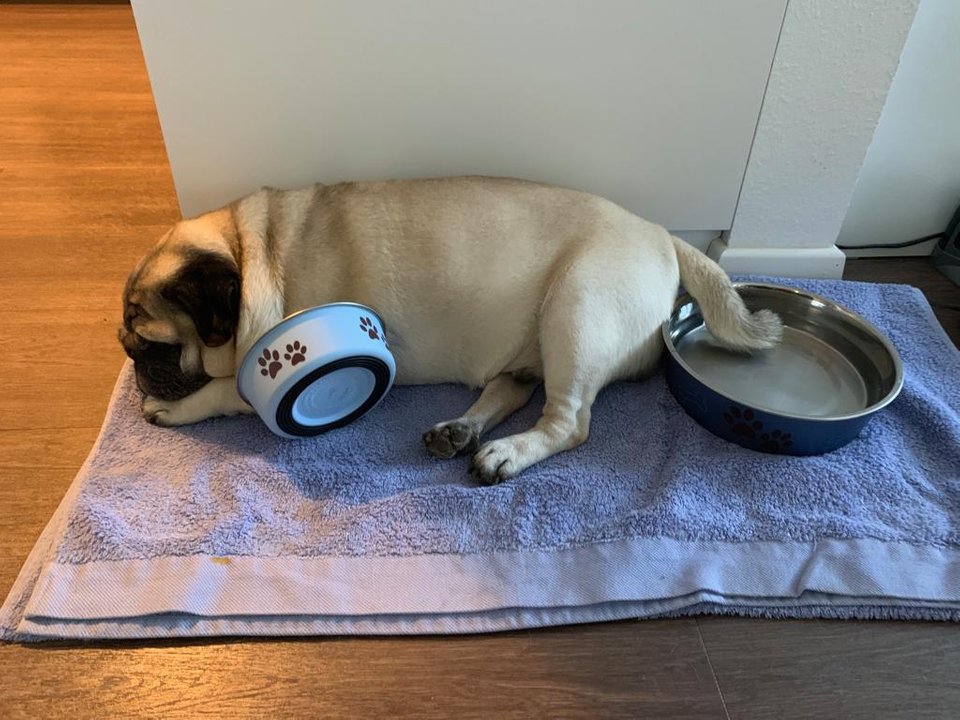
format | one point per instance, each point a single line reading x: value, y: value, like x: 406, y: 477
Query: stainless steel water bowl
x: 812, y: 394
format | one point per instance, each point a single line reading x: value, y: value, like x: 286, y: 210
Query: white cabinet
x: 652, y: 104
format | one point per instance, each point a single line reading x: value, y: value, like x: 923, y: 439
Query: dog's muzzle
x: 157, y: 367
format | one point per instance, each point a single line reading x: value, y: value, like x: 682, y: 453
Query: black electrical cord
x: 906, y: 243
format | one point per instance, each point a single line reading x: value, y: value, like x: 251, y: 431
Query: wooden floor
x: 84, y: 190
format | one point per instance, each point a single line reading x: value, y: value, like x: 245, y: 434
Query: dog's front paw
x: 495, y: 462
x: 158, y: 412
x: 167, y: 413
x: 217, y: 397
x: 448, y: 439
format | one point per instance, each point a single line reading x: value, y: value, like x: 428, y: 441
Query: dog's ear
x: 208, y: 290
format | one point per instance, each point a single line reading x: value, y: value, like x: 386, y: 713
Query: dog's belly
x: 459, y: 328
x: 440, y: 338
x: 471, y: 352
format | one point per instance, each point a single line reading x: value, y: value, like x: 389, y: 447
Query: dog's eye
x: 134, y: 311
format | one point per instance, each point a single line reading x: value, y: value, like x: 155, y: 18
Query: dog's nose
x: 131, y: 342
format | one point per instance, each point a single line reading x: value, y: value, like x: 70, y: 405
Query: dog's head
x: 183, y: 296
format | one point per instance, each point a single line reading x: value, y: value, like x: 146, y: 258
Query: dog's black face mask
x: 157, y: 367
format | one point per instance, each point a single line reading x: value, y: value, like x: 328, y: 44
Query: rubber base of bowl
x: 284, y: 417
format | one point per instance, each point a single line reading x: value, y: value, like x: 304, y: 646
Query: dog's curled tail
x: 726, y: 316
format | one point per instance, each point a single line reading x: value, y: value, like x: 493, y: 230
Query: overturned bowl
x: 318, y: 369
x: 813, y: 393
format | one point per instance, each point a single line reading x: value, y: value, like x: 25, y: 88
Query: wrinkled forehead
x: 207, y: 233
x: 176, y: 249
x: 137, y: 276
x: 143, y: 305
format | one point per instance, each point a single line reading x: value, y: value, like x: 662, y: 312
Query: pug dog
x: 497, y: 283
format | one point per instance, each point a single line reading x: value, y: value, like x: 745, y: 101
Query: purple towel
x: 223, y: 528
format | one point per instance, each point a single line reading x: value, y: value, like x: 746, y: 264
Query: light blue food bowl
x: 318, y: 369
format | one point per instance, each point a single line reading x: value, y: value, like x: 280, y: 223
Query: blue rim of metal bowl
x: 849, y: 315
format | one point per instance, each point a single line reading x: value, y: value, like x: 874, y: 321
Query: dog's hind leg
x: 599, y: 323
x: 571, y: 386
x: 502, y: 396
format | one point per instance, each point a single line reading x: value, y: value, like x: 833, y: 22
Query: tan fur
x: 476, y: 279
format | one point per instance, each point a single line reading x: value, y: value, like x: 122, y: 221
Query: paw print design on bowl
x: 742, y: 422
x: 367, y: 326
x: 296, y: 353
x: 776, y: 441
x: 270, y: 363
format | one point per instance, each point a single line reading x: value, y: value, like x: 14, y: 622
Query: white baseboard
x: 785, y: 262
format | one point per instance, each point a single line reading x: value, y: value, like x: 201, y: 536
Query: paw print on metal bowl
x: 776, y: 441
x: 743, y: 423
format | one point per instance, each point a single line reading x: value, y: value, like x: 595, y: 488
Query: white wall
x: 909, y: 184
x: 652, y: 104
x: 830, y: 76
